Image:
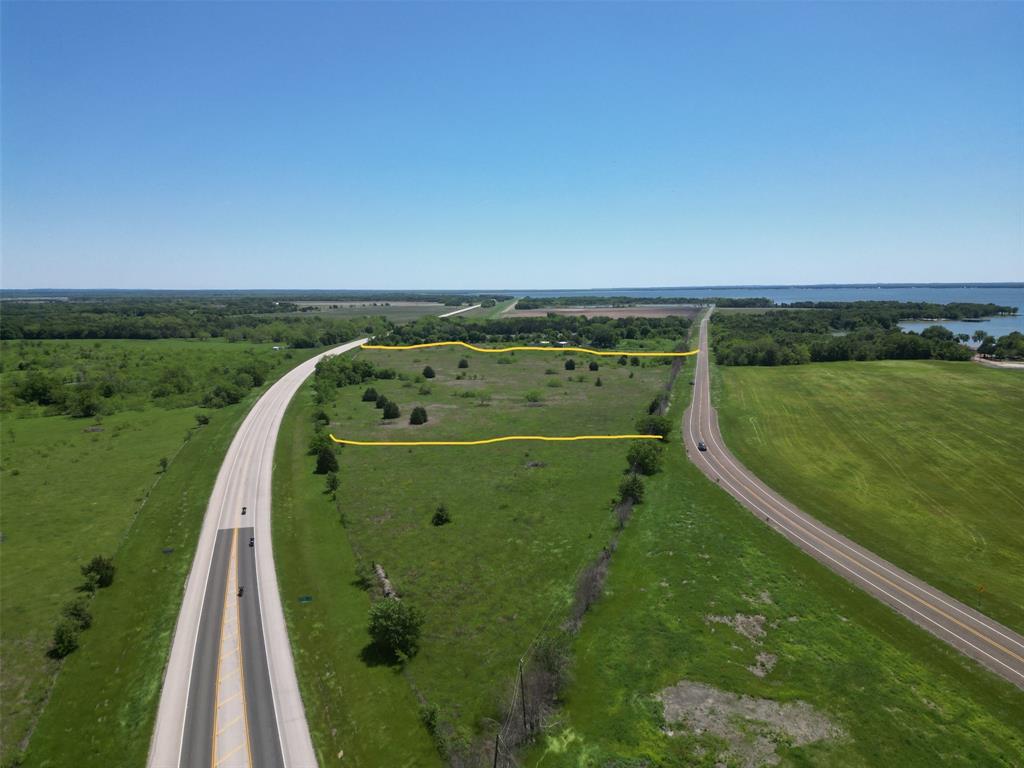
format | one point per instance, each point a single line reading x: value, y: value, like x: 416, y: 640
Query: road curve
x: 997, y: 647
x: 230, y: 696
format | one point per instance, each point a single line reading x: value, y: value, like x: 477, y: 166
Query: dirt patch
x: 751, y: 627
x: 645, y: 310
x: 752, y: 728
x: 763, y: 664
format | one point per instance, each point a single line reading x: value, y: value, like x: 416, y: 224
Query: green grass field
x: 70, y: 489
x: 525, y: 518
x: 899, y: 696
x: 920, y: 461
x: 397, y: 313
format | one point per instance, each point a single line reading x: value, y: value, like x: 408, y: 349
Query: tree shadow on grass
x: 374, y: 655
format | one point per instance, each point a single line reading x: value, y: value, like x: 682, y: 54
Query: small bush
x: 318, y: 442
x: 644, y: 456
x: 321, y: 417
x: 395, y: 626
x: 593, y: 365
x: 504, y: 360
x: 100, y: 570
x: 370, y: 395
x: 202, y: 419
x: 441, y: 515
x: 634, y: 361
x: 418, y: 415
x: 654, y: 405
x: 326, y: 460
x: 65, y: 638
x: 333, y: 483
x: 391, y: 410
x: 632, y: 489
x: 533, y: 396
x: 554, y: 383
x: 426, y: 390
x: 463, y: 363
x: 623, y: 360
x: 653, y: 425
x: 381, y: 401
x: 77, y: 611
x: 598, y: 382
x: 570, y: 364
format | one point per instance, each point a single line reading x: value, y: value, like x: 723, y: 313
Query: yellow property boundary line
x: 582, y: 350
x: 490, y: 440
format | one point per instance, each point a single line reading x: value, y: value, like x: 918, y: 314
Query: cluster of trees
x: 889, y: 313
x: 592, y: 332
x: 859, y: 331
x: 98, y: 573
x: 258, y: 319
x: 343, y: 371
x: 1008, y: 347
x: 631, y: 301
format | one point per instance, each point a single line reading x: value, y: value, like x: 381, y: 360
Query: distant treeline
x: 853, y: 331
x: 631, y: 301
x: 888, y: 313
x: 249, y: 318
x: 603, y: 333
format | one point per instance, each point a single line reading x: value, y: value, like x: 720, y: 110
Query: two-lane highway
x: 230, y: 697
x: 974, y: 634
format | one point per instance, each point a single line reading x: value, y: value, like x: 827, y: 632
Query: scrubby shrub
x: 654, y: 405
x: 395, y: 626
x: 318, y: 442
x: 644, y: 456
x: 426, y: 390
x: 634, y: 361
x: 570, y: 364
x: 99, y: 572
x: 202, y: 419
x: 77, y: 611
x: 326, y: 460
x: 653, y: 425
x: 441, y: 515
x: 463, y: 362
x: 533, y: 396
x: 418, y: 415
x: 321, y: 418
x: 593, y: 365
x: 632, y: 489
x: 333, y: 483
x: 428, y: 372
x: 370, y: 395
x: 391, y: 410
x: 598, y: 382
x: 623, y: 360
x: 65, y: 638
x: 381, y: 401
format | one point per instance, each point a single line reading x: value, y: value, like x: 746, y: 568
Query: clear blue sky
x: 221, y: 145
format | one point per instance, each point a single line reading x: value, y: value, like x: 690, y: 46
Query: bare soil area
x: 751, y: 728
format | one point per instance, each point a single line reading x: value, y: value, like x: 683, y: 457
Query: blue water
x: 993, y: 326
x: 1003, y: 294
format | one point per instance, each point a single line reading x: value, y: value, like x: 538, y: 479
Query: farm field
x: 72, y: 488
x: 525, y: 518
x: 702, y: 597
x: 395, y: 311
x: 917, y: 460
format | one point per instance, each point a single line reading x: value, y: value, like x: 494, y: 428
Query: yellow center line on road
x: 581, y: 350
x: 491, y: 440
x: 223, y: 619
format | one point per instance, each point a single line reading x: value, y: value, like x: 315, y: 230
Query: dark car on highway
x: 701, y: 446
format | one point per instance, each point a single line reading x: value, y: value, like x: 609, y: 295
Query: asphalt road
x: 230, y: 697
x: 998, y: 648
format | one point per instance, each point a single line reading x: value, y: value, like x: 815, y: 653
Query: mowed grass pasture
x: 525, y: 518
x: 896, y: 695
x: 920, y: 461
x: 71, y: 488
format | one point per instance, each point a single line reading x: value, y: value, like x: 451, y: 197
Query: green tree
x: 623, y: 360
x: 99, y: 570
x: 653, y: 425
x: 65, y: 638
x: 391, y: 410
x: 441, y: 515
x: 463, y: 362
x: 77, y: 611
x: 418, y: 416
x: 163, y: 464
x: 395, y: 626
x: 332, y: 484
x: 632, y: 488
x: 370, y: 395
x: 593, y: 365
x: 570, y: 364
x: 326, y: 460
x: 598, y: 382
x: 381, y: 401
x: 644, y: 456
x: 428, y: 372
